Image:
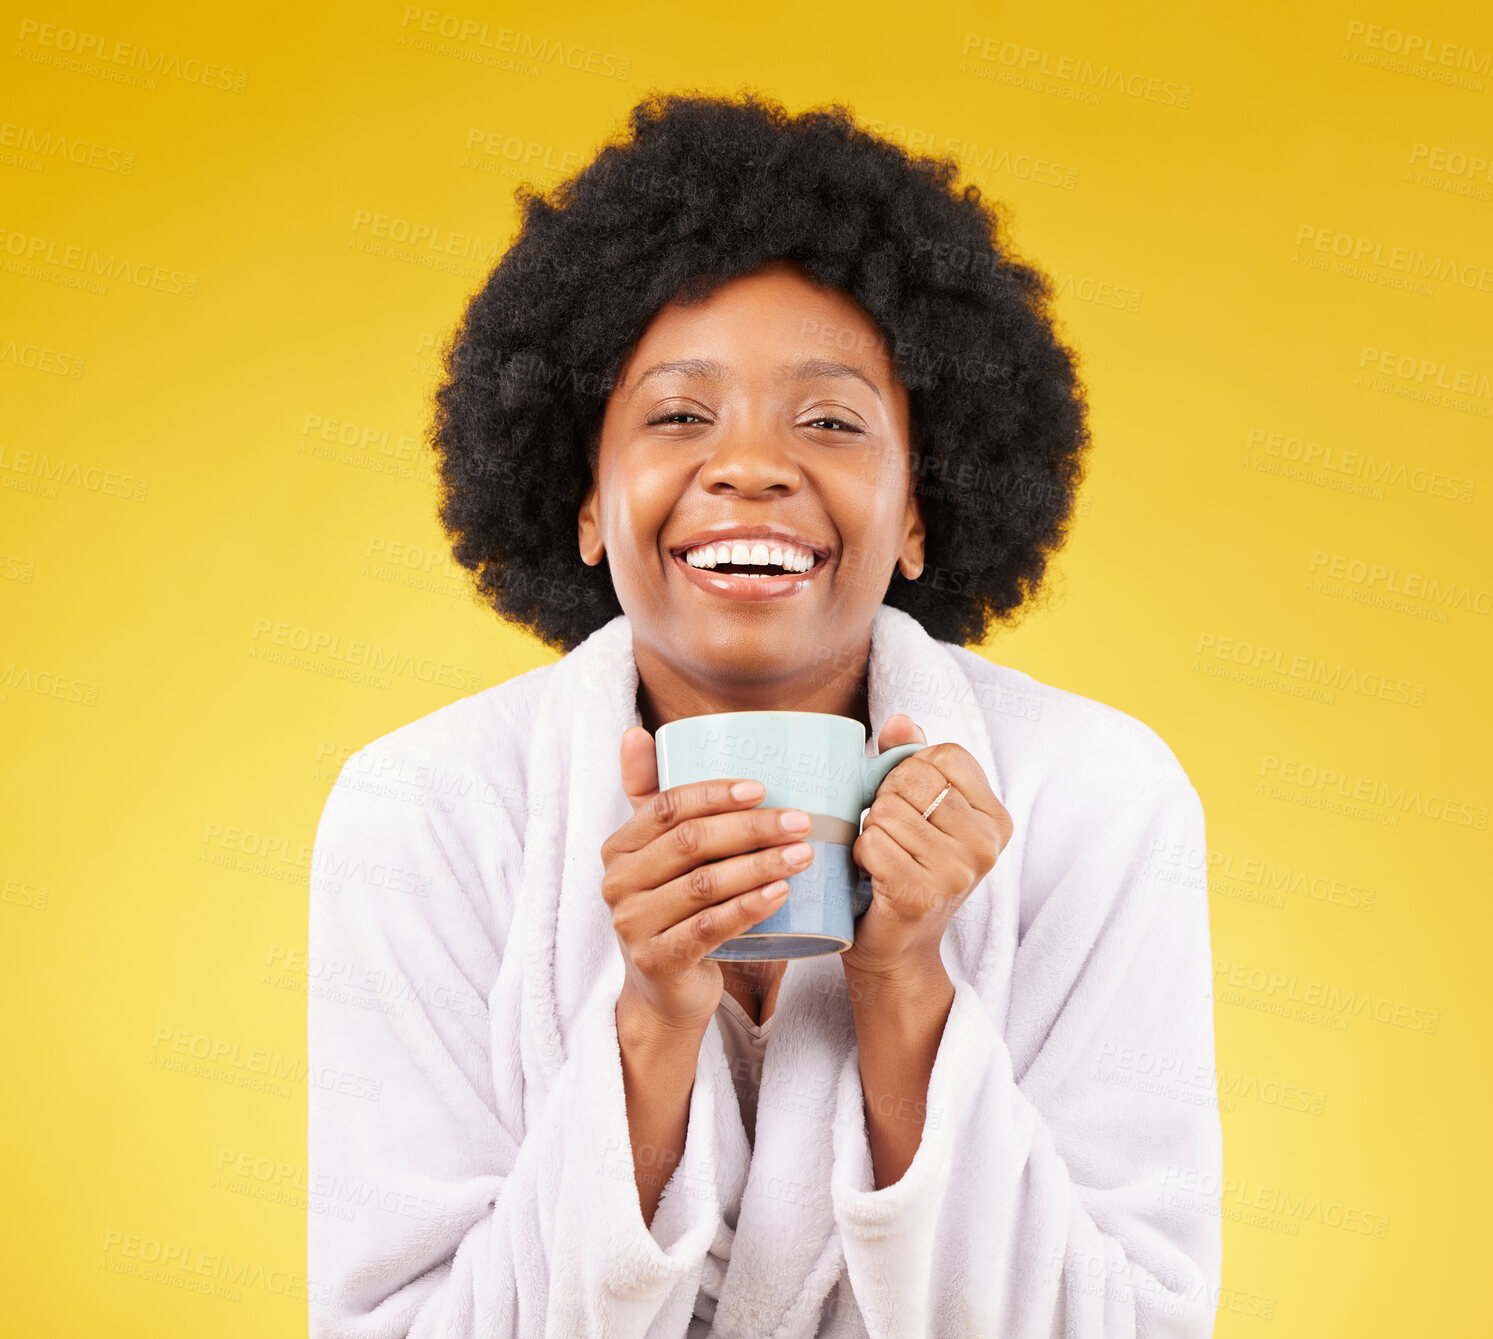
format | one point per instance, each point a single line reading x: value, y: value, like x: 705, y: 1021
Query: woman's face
x: 768, y: 414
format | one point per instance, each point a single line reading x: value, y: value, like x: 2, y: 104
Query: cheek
x: 637, y: 501
x: 871, y: 523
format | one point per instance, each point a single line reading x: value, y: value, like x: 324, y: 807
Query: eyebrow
x: 710, y: 370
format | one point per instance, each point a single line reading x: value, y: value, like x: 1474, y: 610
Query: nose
x: 750, y: 460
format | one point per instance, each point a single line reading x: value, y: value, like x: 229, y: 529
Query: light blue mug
x: 806, y: 760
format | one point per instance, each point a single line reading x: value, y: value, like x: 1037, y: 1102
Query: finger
x: 957, y: 765
x: 717, y: 882
x: 899, y: 729
x: 953, y: 815
x: 898, y: 882
x: 639, y: 766
x: 921, y: 777
x: 955, y: 837
x: 977, y: 828
x: 689, y: 941
x: 916, y: 776
x: 673, y: 823
x: 690, y: 864
x: 924, y: 839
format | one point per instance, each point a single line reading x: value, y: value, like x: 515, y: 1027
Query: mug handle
x: 873, y: 772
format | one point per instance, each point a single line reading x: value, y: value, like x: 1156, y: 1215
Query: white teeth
x: 741, y: 553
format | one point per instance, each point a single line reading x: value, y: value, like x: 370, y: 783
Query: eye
x: 674, y: 417
x: 825, y: 418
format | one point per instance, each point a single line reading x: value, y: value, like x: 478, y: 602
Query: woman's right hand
x: 684, y: 874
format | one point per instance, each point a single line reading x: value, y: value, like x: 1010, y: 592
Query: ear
x: 911, y: 560
x: 589, y: 528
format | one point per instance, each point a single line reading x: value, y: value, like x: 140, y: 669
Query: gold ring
x: 937, y: 800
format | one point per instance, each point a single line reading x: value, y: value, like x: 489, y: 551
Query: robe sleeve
x: 1047, y: 1194
x: 429, y: 1214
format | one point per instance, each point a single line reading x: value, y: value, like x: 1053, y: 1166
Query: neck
x: 668, y: 691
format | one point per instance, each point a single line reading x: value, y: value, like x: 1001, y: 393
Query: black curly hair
x: 708, y: 189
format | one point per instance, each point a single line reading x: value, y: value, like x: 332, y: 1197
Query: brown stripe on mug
x: 828, y: 828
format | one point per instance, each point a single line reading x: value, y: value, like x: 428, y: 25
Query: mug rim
x: 765, y: 711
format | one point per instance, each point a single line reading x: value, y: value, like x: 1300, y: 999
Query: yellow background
x: 162, y: 777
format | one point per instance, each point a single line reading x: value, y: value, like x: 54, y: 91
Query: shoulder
x: 1047, y: 741
x: 1087, y: 786
x: 470, y: 726
x: 460, y: 765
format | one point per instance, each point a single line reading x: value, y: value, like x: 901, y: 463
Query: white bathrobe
x: 471, y: 1171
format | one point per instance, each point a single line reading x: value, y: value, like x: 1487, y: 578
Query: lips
x: 729, y: 586
x: 750, y: 534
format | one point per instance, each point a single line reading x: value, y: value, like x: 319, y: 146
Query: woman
x: 757, y: 413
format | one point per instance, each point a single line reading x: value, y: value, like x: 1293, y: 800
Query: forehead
x: 764, y: 323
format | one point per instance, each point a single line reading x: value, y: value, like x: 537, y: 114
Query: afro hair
x: 708, y: 189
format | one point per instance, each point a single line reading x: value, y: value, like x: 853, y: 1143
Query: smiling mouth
x: 747, y: 570
x: 749, y: 581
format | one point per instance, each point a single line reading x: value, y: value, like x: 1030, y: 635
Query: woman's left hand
x: 922, y: 869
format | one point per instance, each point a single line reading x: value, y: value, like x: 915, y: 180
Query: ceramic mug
x: 806, y: 760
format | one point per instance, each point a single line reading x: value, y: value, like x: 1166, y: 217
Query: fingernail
x: 747, y: 790
x: 799, y: 853
x: 774, y: 891
x: 793, y: 820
